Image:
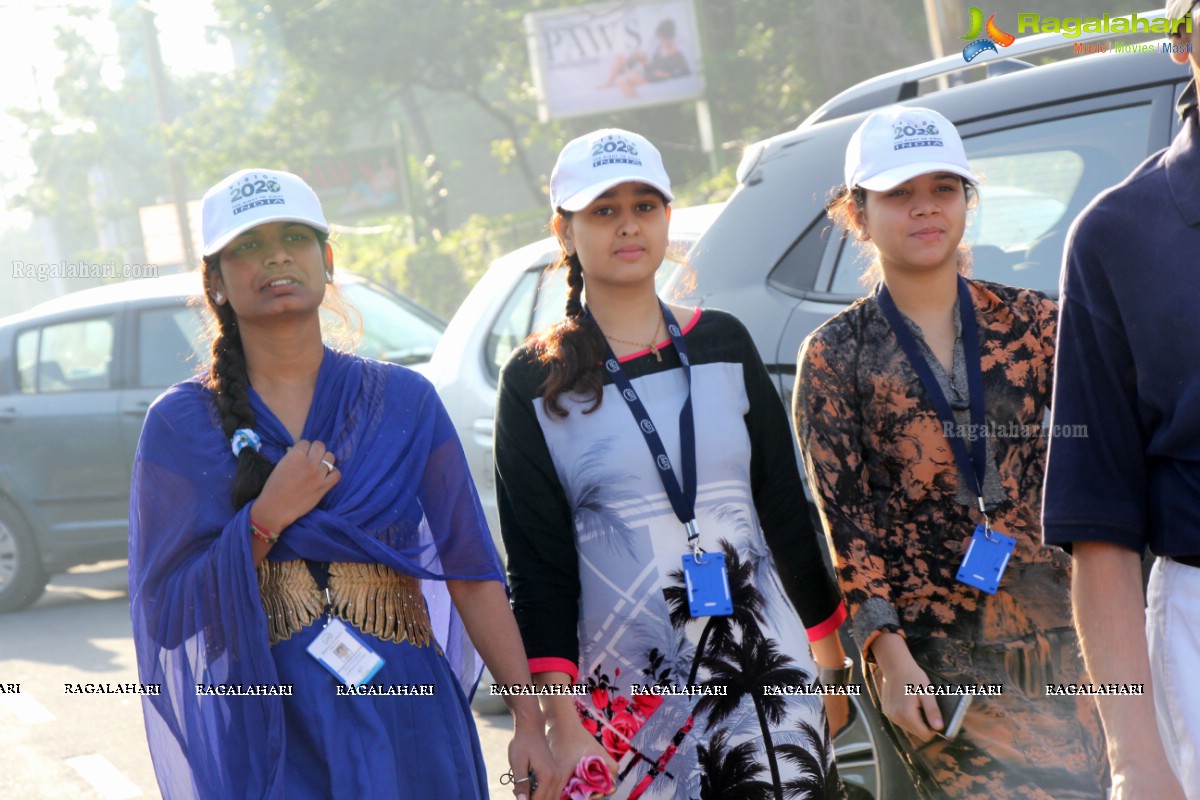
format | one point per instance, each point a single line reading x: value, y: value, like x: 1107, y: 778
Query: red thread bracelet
x: 262, y: 534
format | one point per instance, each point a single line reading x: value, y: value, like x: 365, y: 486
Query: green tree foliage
x: 437, y: 271
x: 366, y: 63
x: 95, y: 162
x: 317, y: 78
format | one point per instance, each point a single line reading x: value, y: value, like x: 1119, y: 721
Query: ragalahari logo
x: 995, y: 36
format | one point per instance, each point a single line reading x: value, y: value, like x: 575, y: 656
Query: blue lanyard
x: 683, y: 500
x: 972, y: 464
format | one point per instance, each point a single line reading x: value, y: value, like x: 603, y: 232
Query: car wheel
x: 22, y: 578
x: 867, y: 762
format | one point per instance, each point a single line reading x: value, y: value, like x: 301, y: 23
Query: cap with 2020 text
x: 252, y: 197
x: 894, y: 145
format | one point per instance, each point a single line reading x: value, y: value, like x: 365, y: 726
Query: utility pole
x: 162, y: 102
x: 946, y: 23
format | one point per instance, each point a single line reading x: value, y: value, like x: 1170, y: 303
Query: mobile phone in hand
x: 953, y: 708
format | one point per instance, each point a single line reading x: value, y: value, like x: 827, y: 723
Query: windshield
x: 391, y: 330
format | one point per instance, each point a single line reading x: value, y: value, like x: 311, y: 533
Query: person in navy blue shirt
x: 1127, y: 387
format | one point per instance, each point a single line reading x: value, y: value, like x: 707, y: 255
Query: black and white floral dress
x: 594, y: 560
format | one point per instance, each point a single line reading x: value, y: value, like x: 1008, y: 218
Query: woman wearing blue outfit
x: 312, y: 582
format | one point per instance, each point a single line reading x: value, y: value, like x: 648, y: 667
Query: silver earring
x: 218, y: 298
x: 329, y: 277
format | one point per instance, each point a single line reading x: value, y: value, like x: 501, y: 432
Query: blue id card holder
x: 707, y: 585
x: 986, y: 559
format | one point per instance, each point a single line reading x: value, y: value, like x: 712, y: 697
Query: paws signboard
x: 606, y: 57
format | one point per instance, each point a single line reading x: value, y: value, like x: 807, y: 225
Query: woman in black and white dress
x: 597, y: 543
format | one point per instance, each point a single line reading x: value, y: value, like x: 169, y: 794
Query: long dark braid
x: 230, y: 385
x: 574, y: 284
x: 574, y: 348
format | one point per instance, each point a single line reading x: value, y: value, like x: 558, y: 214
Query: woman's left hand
x: 483, y: 606
x: 529, y: 756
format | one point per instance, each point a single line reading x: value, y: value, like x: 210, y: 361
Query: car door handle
x: 137, y: 409
x: 483, y: 429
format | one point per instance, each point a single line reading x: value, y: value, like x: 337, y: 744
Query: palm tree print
x: 743, y: 664
x: 756, y: 662
x: 817, y: 770
x: 730, y: 774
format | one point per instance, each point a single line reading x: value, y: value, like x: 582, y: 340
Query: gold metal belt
x: 373, y: 598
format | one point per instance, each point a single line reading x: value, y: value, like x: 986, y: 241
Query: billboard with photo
x: 614, y: 56
x: 356, y: 184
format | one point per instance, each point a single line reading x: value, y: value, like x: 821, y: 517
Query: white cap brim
x: 218, y: 245
x: 583, y: 198
x: 891, y: 178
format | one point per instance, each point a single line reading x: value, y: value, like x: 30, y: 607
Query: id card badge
x: 707, y: 585
x: 986, y: 558
x: 338, y: 650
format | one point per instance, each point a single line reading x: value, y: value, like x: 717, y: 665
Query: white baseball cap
x: 1179, y: 8
x: 252, y: 197
x: 897, y: 144
x: 594, y: 163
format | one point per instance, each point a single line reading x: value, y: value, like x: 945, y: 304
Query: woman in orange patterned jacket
x: 931, y: 501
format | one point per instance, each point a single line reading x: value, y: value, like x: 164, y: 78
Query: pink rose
x: 576, y: 790
x: 591, y: 780
x: 600, y: 698
x: 617, y: 734
x: 594, y: 773
x: 620, y: 703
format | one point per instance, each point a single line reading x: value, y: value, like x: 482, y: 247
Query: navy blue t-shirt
x: 1124, y: 459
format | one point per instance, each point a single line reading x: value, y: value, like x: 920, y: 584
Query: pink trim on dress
x: 554, y: 664
x: 823, y: 629
x: 666, y: 342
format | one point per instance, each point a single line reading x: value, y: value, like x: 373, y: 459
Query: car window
x: 168, y: 350
x: 798, y: 267
x: 551, y: 303
x: 1014, y: 211
x: 1035, y: 179
x: 390, y: 330
x: 70, y: 356
x: 27, y: 342
x: 512, y: 324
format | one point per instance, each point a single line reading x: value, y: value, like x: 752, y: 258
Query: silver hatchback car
x: 77, y: 375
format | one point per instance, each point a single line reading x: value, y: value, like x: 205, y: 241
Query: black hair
x: 574, y: 348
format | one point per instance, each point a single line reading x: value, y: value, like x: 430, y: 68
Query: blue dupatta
x: 405, y: 500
